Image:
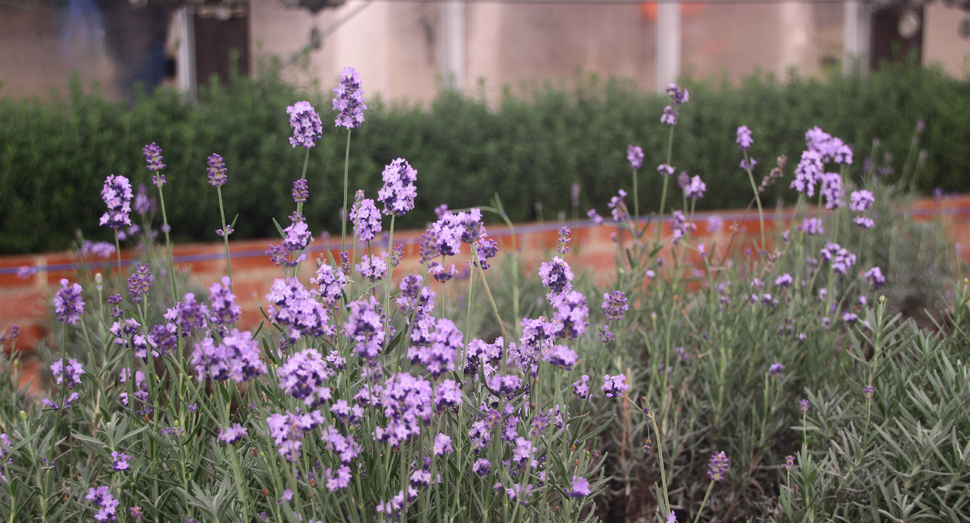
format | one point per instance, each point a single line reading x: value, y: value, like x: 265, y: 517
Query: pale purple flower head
x: 217, y: 171
x: 808, y: 173
x: 292, y: 306
x: 140, y: 282
x: 153, y: 157
x: 618, y: 206
x: 189, y: 315
x: 68, y: 304
x: 875, y: 277
x: 832, y: 190
x: 366, y: 218
x: 864, y: 222
x: 744, y: 140
x: 105, y: 502
x: 71, y: 373
x: 841, y: 259
x: 860, y: 201
x: 579, y: 488
x: 307, y: 128
x: 615, y: 386
x: 398, y: 192
x: 301, y: 191
x: 237, y: 357
x: 803, y: 404
x: 748, y: 164
x: 678, y: 94
x: 776, y: 369
x: 117, y: 195
x: 304, y: 376
x: 330, y: 284
x: 717, y: 467
x: 784, y: 281
x: 557, y: 276
x: 665, y: 170
x: 869, y: 391
x: 635, y: 155
x: 615, y: 305
x: 350, y: 100
x: 812, y: 226
x: 365, y: 325
x: 339, y: 481
x: 595, y: 217
x: 482, y: 467
x: 223, y: 302
x: 230, y: 435
x: 714, y: 223
x: 581, y: 387
x: 561, y: 356
x: 789, y: 463
x: 442, y: 445
x: 670, y: 116
x: 695, y: 189
x: 372, y: 267
x: 564, y: 239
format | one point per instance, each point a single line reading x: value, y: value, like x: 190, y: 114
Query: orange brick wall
x: 26, y: 302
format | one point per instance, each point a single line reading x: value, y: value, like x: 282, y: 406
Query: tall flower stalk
x: 153, y: 157
x: 350, y: 103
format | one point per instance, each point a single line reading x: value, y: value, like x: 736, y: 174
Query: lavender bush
x: 714, y: 382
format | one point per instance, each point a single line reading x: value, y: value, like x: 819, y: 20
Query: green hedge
x: 54, y: 155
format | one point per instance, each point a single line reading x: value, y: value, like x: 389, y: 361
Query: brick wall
x: 26, y: 302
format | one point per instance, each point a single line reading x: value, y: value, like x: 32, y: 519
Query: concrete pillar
x: 856, y: 37
x: 185, y: 61
x: 668, y: 43
x: 453, y: 44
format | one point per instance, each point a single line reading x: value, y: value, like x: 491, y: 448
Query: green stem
x: 343, y: 225
x: 757, y: 198
x: 225, y: 235
x: 706, y: 494
x: 663, y: 194
x: 168, y: 243
x: 118, y: 267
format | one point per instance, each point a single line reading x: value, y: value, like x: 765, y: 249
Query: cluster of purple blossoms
x: 140, y: 391
x: 442, y: 445
x: 231, y: 435
x: 140, y: 282
x: 68, y: 304
x: 447, y: 396
x: 678, y: 95
x: 842, y: 260
x: 373, y: 268
x: 869, y: 392
x: 507, y: 386
x: 564, y: 240
x: 832, y: 190
x: 695, y: 189
x: 293, y: 306
x: 153, y: 157
x: 349, y: 100
x: 569, y: 317
x: 860, y: 201
x: 301, y: 190
x: 875, y: 277
x: 105, y: 502
x: 486, y: 250
x: 90, y: 249
x: 287, y: 431
x: 144, y: 204
x: 744, y: 140
x: 439, y: 356
x: 116, y: 194
x: 635, y: 155
x: 808, y: 173
x: 681, y: 227
x: 614, y: 386
x: 717, y: 467
x: 189, y: 316
x: 304, y: 375
x: 665, y: 170
x: 557, y: 276
x: 127, y: 334
x: 120, y: 461
x: 581, y: 387
x: 236, y: 358
x: 776, y: 369
x: 440, y: 273
x: 330, y: 284
x: 163, y: 338
x: 223, y: 302
x: 365, y: 325
x: 784, y: 281
x: 614, y: 303
x: 366, y: 218
x: 714, y: 224
x: 341, y: 409
x: 307, y: 128
x: 398, y: 192
x: 595, y: 217
x: 407, y: 402
x: 803, y: 404
x: 822, y: 148
x: 812, y: 226
x: 339, y: 481
x: 217, y: 171
x: 482, y: 467
x: 579, y: 488
x: 344, y: 446
x: 561, y: 356
x: 70, y: 372
x: 487, y: 356
x: 392, y: 509
x: 618, y: 207
x: 789, y: 463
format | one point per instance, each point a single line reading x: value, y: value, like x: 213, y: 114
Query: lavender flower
x: 614, y: 304
x: 398, y: 192
x: 365, y: 325
x: 615, y: 386
x: 784, y: 281
x: 72, y: 373
x: 665, y: 170
x: 230, y: 435
x: 287, y: 431
x: 596, y: 218
x: 107, y: 504
x: 478, y: 353
x: 681, y: 227
x: 860, y: 201
x: 832, y: 190
x: 217, y: 171
x: 117, y: 196
x: 442, y: 445
x: 840, y: 258
x: 564, y: 240
x: 581, y: 388
x: 776, y: 370
x: 300, y: 191
x: 237, y: 357
x: 808, y: 173
x: 144, y: 204
x: 189, y: 315
x: 224, y: 308
x: 366, y: 218
x: 120, y: 461
x: 339, y: 481
x: 373, y: 268
x: 803, y: 404
x: 717, y: 467
x: 875, y: 277
x: 850, y: 317
x: 670, y: 116
x: 307, y: 128
x: 569, y: 318
x: 293, y: 306
x: 579, y: 488
x: 303, y: 376
x: 683, y: 180
x: 68, y: 304
x: 618, y: 206
x: 789, y: 463
x: 557, y: 276
x: 714, y: 224
x: 407, y: 403
x: 350, y: 100
x: 153, y: 157
x: 678, y: 94
x: 864, y: 222
x: 561, y: 356
x: 748, y: 164
x: 345, y: 447
x: 140, y: 282
x: 869, y: 391
x: 812, y: 226
x: 635, y: 156
x: 744, y: 140
x: 482, y: 467
x: 695, y: 189
x: 330, y: 284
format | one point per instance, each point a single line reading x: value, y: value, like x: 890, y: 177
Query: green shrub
x: 54, y: 155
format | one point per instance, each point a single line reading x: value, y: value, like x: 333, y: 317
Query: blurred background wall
x: 408, y: 50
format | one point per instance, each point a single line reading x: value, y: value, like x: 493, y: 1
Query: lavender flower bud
x: 217, y: 171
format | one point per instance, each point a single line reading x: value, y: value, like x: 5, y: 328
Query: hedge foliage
x: 528, y: 148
